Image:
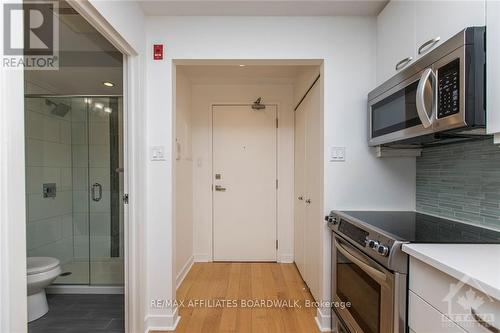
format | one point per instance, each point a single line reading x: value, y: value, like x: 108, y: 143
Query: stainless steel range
x: 370, y: 281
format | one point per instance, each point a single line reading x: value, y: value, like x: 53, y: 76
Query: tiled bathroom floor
x: 82, y: 314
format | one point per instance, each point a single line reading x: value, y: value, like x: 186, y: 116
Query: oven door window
x: 395, y: 112
x: 364, y: 294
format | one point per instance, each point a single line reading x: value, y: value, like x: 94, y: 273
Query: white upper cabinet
x: 443, y: 19
x: 395, y: 38
x: 403, y: 27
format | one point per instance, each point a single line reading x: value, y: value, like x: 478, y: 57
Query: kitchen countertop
x: 481, y: 262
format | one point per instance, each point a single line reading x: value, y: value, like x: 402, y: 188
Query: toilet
x: 42, y: 271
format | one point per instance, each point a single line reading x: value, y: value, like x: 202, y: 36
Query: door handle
x: 373, y: 272
x: 427, y: 45
x: 96, y: 192
x: 220, y: 188
x: 422, y: 111
x: 403, y: 63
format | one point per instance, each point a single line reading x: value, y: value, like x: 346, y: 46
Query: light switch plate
x: 337, y: 154
x: 157, y: 153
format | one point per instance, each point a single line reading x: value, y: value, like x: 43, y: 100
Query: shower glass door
x: 74, y: 186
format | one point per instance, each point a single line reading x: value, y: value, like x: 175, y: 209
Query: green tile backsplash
x: 461, y: 181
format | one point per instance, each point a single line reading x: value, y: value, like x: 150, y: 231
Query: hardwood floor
x: 238, y: 284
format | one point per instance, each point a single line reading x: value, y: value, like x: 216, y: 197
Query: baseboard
x: 161, y: 322
x: 84, y: 289
x: 202, y: 257
x: 185, y: 269
x: 323, y: 321
x: 285, y: 258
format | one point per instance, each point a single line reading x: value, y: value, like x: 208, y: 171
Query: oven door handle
x: 373, y: 272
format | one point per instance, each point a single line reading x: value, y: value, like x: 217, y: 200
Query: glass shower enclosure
x: 74, y: 186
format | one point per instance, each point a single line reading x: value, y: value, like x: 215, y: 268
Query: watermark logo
x: 466, y: 305
x: 31, y: 35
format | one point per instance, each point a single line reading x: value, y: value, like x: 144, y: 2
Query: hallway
x: 237, y: 283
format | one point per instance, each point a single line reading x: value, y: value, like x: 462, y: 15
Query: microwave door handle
x: 374, y: 273
x: 421, y: 109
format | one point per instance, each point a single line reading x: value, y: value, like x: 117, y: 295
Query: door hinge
x: 125, y: 198
x: 277, y: 183
x: 276, y: 244
x: 276, y: 122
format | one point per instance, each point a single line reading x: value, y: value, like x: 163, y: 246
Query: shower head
x: 59, y: 109
x: 257, y: 104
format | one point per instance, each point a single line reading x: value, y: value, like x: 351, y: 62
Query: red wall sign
x: 158, y: 51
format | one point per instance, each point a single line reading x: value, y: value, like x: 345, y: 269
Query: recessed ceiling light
x: 108, y: 84
x: 242, y: 65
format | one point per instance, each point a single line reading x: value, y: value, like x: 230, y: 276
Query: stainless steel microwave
x: 440, y: 98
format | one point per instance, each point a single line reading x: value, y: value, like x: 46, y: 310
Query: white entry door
x: 244, y: 183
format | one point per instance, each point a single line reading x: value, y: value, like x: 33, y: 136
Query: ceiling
x: 250, y: 74
x: 262, y: 7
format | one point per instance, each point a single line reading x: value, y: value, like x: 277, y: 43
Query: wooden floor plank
x: 235, y: 283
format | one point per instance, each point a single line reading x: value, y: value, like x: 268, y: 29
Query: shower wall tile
x: 42, y: 208
x: 61, y: 249
x: 99, y: 133
x: 37, y: 176
x: 48, y: 151
x: 81, y: 201
x: 461, y: 181
x: 43, y: 232
x: 99, y: 156
x: 79, y: 133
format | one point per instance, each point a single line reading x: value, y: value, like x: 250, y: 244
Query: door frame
x: 13, y: 300
x: 211, y: 148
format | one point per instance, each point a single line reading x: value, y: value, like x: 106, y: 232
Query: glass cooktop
x: 422, y: 228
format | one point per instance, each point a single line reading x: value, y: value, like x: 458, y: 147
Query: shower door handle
x: 96, y: 192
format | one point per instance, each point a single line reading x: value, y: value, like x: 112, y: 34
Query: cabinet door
x: 395, y: 37
x: 444, y: 19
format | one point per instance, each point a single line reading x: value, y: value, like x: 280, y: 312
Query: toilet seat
x: 36, y: 265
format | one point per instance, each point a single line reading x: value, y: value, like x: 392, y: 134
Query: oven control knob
x: 327, y: 218
x: 332, y: 220
x: 372, y: 244
x: 383, y: 250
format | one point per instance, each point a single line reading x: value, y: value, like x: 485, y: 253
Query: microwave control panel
x: 449, y: 89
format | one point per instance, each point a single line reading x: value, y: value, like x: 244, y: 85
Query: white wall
x: 347, y: 46
x: 204, y: 95
x: 183, y: 198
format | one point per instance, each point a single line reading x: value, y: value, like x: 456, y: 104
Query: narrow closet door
x: 300, y: 188
x: 313, y: 186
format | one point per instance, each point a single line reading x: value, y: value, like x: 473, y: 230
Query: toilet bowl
x: 42, y: 271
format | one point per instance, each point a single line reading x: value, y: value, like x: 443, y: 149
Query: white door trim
x: 212, y: 105
x: 13, y: 317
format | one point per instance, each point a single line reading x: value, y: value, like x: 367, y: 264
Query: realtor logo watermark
x: 31, y: 35
x: 466, y: 305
